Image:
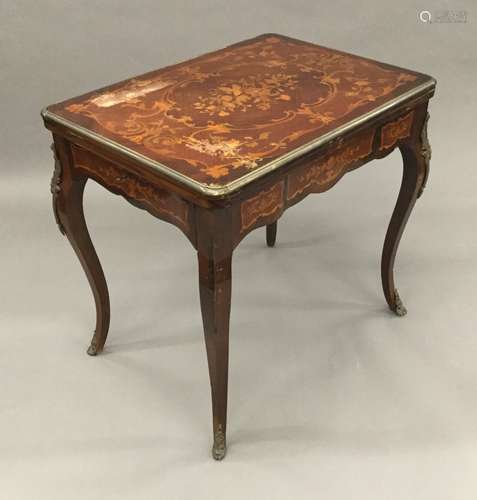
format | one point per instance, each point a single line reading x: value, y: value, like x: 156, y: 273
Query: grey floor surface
x: 330, y: 395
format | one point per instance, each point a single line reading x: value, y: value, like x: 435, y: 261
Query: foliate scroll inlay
x: 136, y: 190
x: 323, y: 172
x: 395, y: 130
x: 264, y: 204
x: 55, y: 188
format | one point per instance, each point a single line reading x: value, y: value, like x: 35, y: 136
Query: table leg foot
x: 271, y: 234
x: 219, y: 448
x: 93, y: 348
x: 399, y: 308
x: 92, y: 351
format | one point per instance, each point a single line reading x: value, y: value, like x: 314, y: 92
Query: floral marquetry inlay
x: 320, y: 174
x: 220, y: 116
x: 395, y: 130
x: 159, y: 202
x: 264, y: 204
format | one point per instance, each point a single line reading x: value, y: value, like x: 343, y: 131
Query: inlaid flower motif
x: 315, y: 116
x: 246, y: 93
x: 222, y: 149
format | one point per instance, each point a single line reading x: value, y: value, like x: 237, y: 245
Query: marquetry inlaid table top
x: 217, y: 122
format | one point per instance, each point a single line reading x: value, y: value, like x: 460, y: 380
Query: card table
x: 226, y: 142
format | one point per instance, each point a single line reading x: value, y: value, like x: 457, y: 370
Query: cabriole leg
x: 215, y: 286
x: 416, y: 154
x: 67, y: 187
x: 215, y: 293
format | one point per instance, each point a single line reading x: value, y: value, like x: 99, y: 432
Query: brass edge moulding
x: 220, y: 191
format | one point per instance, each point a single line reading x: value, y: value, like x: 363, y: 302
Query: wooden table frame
x: 216, y: 224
